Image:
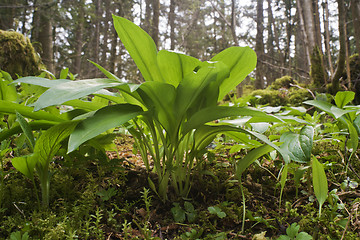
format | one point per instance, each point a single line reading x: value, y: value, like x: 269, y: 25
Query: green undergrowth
x: 92, y: 200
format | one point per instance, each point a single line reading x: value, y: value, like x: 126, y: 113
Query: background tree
x: 259, y: 47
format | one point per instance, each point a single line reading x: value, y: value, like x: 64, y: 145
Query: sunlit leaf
x: 72, y: 90
x: 343, y: 98
x: 241, y: 61
x: 140, y: 46
x: 175, y: 66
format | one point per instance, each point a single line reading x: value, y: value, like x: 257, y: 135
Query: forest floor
x: 99, y: 199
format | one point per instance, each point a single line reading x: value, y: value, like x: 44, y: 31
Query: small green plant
x: 215, y: 210
x: 19, y: 236
x: 292, y: 233
x: 106, y: 195
x: 181, y: 214
x: 193, y: 234
x: 46, y: 146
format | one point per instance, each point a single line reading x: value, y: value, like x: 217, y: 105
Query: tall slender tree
x: 259, y: 47
x: 342, y: 39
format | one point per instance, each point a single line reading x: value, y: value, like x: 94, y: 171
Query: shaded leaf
x: 101, y: 121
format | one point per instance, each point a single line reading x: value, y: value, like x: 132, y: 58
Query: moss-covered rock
x: 17, y: 55
x: 283, y: 91
x: 283, y: 82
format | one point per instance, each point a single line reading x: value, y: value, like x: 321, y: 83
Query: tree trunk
x: 148, y: 20
x: 79, y: 38
x: 155, y: 25
x: 233, y: 22
x: 289, y: 26
x: 43, y: 34
x: 105, y: 32
x: 312, y: 23
x: 308, y: 16
x: 259, y: 47
x: 7, y: 15
x: 327, y: 37
x: 341, y: 58
x: 355, y: 11
x: 172, y: 24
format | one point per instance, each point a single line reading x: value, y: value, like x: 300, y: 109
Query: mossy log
x: 17, y: 55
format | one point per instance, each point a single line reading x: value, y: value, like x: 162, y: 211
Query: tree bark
x: 259, y: 47
x: 155, y: 25
x: 7, y: 15
x: 105, y: 32
x: 233, y: 22
x: 79, y: 38
x: 43, y: 34
x: 355, y: 11
x: 327, y: 36
x: 342, y: 53
x: 172, y: 24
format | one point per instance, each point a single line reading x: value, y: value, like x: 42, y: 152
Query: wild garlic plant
x: 171, y: 115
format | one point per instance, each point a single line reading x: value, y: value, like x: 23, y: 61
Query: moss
x: 281, y: 93
x: 317, y: 72
x: 296, y: 97
x: 17, y: 55
x: 271, y: 97
x: 283, y: 82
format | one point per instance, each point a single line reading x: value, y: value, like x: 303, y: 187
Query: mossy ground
x: 97, y: 199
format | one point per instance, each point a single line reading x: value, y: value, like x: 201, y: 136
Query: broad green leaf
x: 7, y: 92
x: 243, y: 138
x: 354, y: 137
x: 140, y: 46
x: 298, y: 146
x: 175, y: 66
x: 343, y: 98
x: 192, y: 86
x: 159, y: 99
x: 252, y: 156
x: 25, y: 165
x: 71, y: 90
x: 178, y: 213
x: 293, y: 230
x: 328, y: 108
x: 64, y: 73
x: 49, y: 142
x: 320, y: 183
x: 11, y: 108
x: 217, y: 211
x: 26, y: 129
x: 43, y: 82
x: 241, y: 61
x: 206, y: 133
x: 103, y: 119
x: 218, y: 112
